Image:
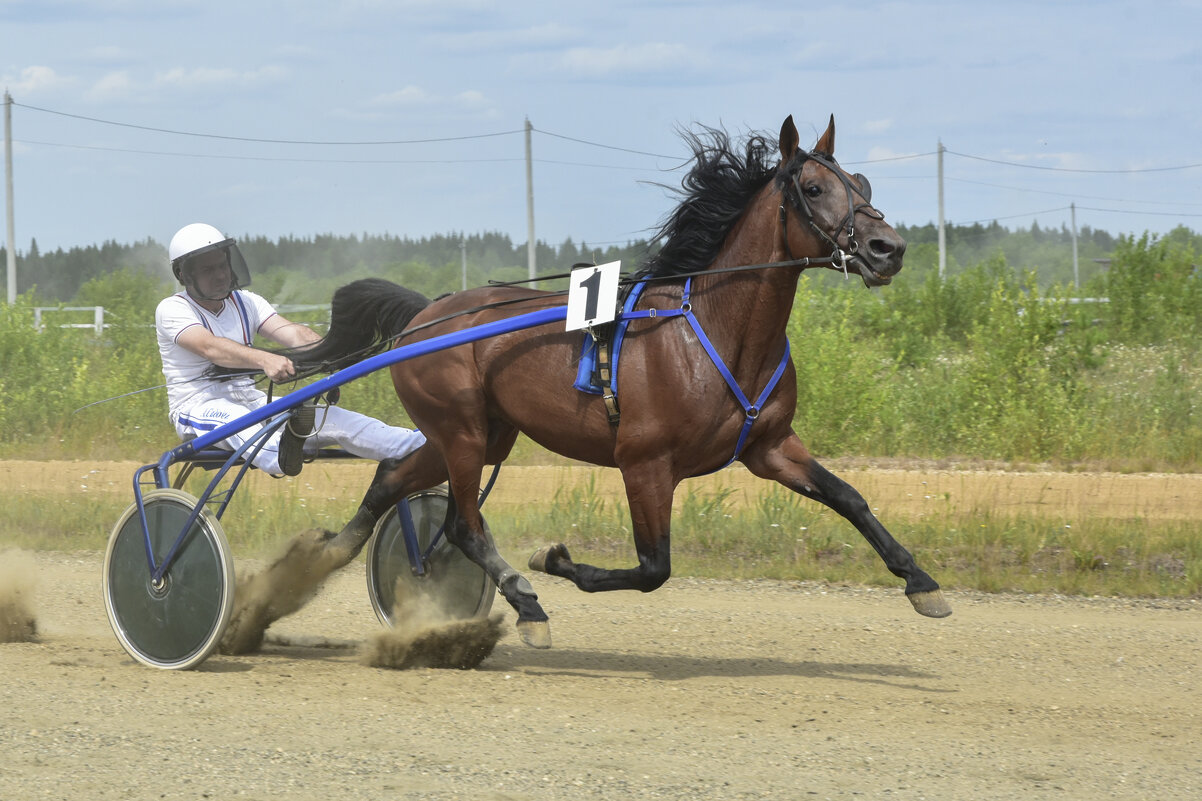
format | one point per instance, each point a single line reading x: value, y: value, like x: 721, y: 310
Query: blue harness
x: 585, y: 378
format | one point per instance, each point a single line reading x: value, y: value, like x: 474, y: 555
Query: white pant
x: 361, y: 435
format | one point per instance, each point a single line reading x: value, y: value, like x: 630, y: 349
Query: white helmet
x: 199, y: 238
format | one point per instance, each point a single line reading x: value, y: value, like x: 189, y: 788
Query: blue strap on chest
x: 751, y: 410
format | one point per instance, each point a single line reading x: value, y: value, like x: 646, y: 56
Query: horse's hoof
x: 535, y: 633
x: 538, y: 559
x: 931, y: 603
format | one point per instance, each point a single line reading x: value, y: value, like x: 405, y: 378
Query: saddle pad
x: 586, y: 371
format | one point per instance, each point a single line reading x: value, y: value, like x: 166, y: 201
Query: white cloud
x: 549, y: 35
x: 1061, y: 161
x: 35, y: 79
x: 879, y: 153
x: 109, y: 54
x: 219, y: 76
x: 414, y: 96
x: 407, y: 96
x: 596, y: 62
x: 111, y: 85
x: 471, y: 98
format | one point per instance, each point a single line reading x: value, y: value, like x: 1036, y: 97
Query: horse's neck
x: 753, y: 306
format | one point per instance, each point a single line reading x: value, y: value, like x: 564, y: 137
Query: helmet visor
x: 239, y: 272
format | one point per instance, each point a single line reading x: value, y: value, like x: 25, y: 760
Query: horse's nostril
x: 886, y: 247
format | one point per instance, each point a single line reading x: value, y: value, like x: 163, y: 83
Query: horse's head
x: 835, y: 210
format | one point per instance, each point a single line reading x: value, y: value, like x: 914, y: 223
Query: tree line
x: 295, y: 269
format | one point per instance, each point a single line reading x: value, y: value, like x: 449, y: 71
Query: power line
x: 1069, y: 169
x: 681, y: 160
x: 1015, y: 216
x: 265, y: 141
x: 1129, y: 211
x: 1079, y: 208
x: 894, y: 158
x: 607, y: 147
x: 299, y: 160
x: 1071, y: 194
x: 293, y: 159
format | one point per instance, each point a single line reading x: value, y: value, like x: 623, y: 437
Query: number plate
x: 593, y: 295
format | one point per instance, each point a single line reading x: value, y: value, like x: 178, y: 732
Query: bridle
x: 797, y: 198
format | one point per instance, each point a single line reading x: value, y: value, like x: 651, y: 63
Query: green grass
x: 776, y: 536
x: 783, y: 536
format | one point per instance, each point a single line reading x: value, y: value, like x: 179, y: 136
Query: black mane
x: 714, y: 195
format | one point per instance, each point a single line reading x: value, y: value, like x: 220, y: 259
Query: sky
x: 132, y: 118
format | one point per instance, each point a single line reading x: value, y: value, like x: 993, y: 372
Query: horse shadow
x: 595, y: 663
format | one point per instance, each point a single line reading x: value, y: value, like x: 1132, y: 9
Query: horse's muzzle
x: 878, y: 260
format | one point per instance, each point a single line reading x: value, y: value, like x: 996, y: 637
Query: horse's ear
x: 826, y: 142
x: 788, y: 139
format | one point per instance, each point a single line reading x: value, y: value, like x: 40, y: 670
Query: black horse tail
x: 365, y: 318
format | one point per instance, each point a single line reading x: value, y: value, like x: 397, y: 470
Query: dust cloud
x: 18, y: 578
x: 289, y: 583
x: 424, y: 635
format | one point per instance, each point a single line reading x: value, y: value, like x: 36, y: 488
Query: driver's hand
x: 278, y: 368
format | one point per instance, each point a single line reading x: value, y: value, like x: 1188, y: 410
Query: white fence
x: 98, y: 324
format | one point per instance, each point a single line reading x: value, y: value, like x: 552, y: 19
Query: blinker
x: 864, y: 187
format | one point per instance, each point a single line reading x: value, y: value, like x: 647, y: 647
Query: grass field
x: 992, y: 530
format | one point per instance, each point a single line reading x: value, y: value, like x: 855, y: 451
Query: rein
x: 835, y: 259
x: 838, y: 258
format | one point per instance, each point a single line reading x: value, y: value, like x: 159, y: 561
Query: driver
x: 214, y: 321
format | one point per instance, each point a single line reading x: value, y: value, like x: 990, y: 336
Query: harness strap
x: 604, y: 373
x: 751, y: 410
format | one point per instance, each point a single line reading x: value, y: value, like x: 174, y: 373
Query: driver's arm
x: 286, y: 332
x: 228, y: 353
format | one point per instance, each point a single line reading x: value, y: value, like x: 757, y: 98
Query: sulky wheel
x: 452, y: 587
x: 177, y: 623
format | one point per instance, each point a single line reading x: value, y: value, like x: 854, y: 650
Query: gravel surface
x: 701, y: 690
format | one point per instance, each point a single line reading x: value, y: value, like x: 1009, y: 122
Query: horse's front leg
x: 790, y: 463
x: 649, y: 489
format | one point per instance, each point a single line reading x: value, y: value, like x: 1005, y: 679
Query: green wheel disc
x: 176, y: 624
x: 452, y: 584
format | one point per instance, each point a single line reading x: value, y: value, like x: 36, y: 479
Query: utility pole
x: 463, y: 259
x: 530, y: 261
x: 1076, y: 277
x: 942, y: 229
x: 11, y: 249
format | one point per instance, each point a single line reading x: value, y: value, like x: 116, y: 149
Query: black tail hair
x: 365, y: 315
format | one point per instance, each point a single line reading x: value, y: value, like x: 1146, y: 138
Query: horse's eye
x: 813, y: 190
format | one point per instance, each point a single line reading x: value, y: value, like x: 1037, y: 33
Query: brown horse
x: 679, y: 417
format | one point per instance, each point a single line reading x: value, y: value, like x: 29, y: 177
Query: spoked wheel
x: 176, y: 623
x: 452, y: 584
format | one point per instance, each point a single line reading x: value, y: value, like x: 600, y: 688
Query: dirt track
x: 704, y: 689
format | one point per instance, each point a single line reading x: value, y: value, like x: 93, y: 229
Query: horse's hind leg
x: 394, y: 479
x: 791, y: 464
x: 465, y: 529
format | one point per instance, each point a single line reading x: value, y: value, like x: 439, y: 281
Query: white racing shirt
x: 241, y: 316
